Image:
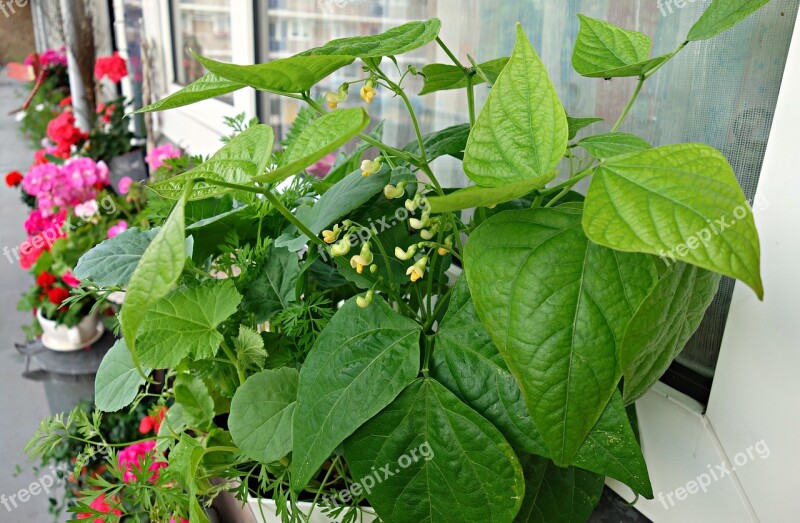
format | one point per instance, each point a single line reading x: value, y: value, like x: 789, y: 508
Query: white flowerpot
x: 66, y: 339
x: 265, y: 512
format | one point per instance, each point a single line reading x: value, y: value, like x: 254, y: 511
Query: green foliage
x: 604, y: 50
x: 722, y: 15
x: 298, y: 366
x: 681, y: 202
x: 370, y: 353
x: 118, y: 380
x: 517, y: 138
x: 209, y: 86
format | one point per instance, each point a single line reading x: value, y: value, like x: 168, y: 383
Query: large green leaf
x: 363, y: 353
x: 296, y: 74
x: 322, y: 137
x: 556, y: 323
x: 395, y: 41
x: 476, y: 196
x: 185, y: 324
x: 117, y: 381
x: 449, y: 141
x: 208, y: 86
x: 113, y: 261
x: 339, y: 201
x: 198, y: 405
x: 443, y: 77
x: 722, y: 15
x: 239, y: 161
x: 457, y: 466
x: 469, y: 365
x: 273, y: 288
x: 557, y: 495
x: 261, y: 414
x: 184, y: 459
x: 157, y: 273
x: 663, y: 324
x: 603, y: 146
x: 678, y: 202
x: 522, y: 130
x: 604, y: 50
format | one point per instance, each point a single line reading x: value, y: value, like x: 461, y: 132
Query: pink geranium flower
x: 156, y: 157
x: 124, y: 185
x: 117, y: 229
x: 134, y: 455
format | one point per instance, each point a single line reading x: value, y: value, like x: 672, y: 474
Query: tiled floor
x: 22, y: 402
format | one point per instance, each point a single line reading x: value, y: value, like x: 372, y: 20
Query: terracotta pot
x: 66, y: 339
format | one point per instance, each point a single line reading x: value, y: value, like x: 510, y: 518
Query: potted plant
x: 361, y: 344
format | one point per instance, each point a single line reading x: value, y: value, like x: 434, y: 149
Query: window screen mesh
x: 721, y: 92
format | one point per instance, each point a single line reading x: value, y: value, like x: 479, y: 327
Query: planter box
x: 264, y: 511
x: 67, y: 339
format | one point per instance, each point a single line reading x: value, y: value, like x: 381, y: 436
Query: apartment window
x: 202, y: 26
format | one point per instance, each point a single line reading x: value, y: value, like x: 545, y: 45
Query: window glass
x: 202, y: 26
x: 721, y: 92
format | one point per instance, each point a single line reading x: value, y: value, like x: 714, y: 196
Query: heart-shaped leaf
x: 185, y: 323
x: 453, y: 465
x: 117, y: 381
x: 680, y: 202
x: 362, y: 353
x: 208, y: 86
x: 722, y: 15
x: 666, y: 320
x: 239, y: 161
x: 296, y: 74
x: 604, y: 50
x: 521, y: 133
x: 469, y: 365
x: 112, y: 262
x: 395, y: 41
x: 261, y: 414
x: 567, y: 366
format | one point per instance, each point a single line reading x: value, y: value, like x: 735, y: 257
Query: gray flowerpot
x: 129, y: 164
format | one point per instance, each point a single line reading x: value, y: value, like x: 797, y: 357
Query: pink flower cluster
x: 68, y: 185
x: 134, y: 455
x: 39, y: 222
x: 50, y: 57
x: 156, y: 157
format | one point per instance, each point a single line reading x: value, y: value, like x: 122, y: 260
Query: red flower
x: 106, y: 112
x: 45, y: 281
x: 66, y: 102
x: 57, y: 295
x: 152, y: 422
x: 114, y: 67
x: 100, y: 505
x: 14, y: 178
x: 63, y: 132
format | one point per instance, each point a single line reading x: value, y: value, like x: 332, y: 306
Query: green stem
x: 557, y: 197
x: 628, y: 107
x: 449, y: 53
x: 471, y: 100
x: 571, y: 182
x: 322, y: 487
x: 232, y: 357
x: 275, y: 203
